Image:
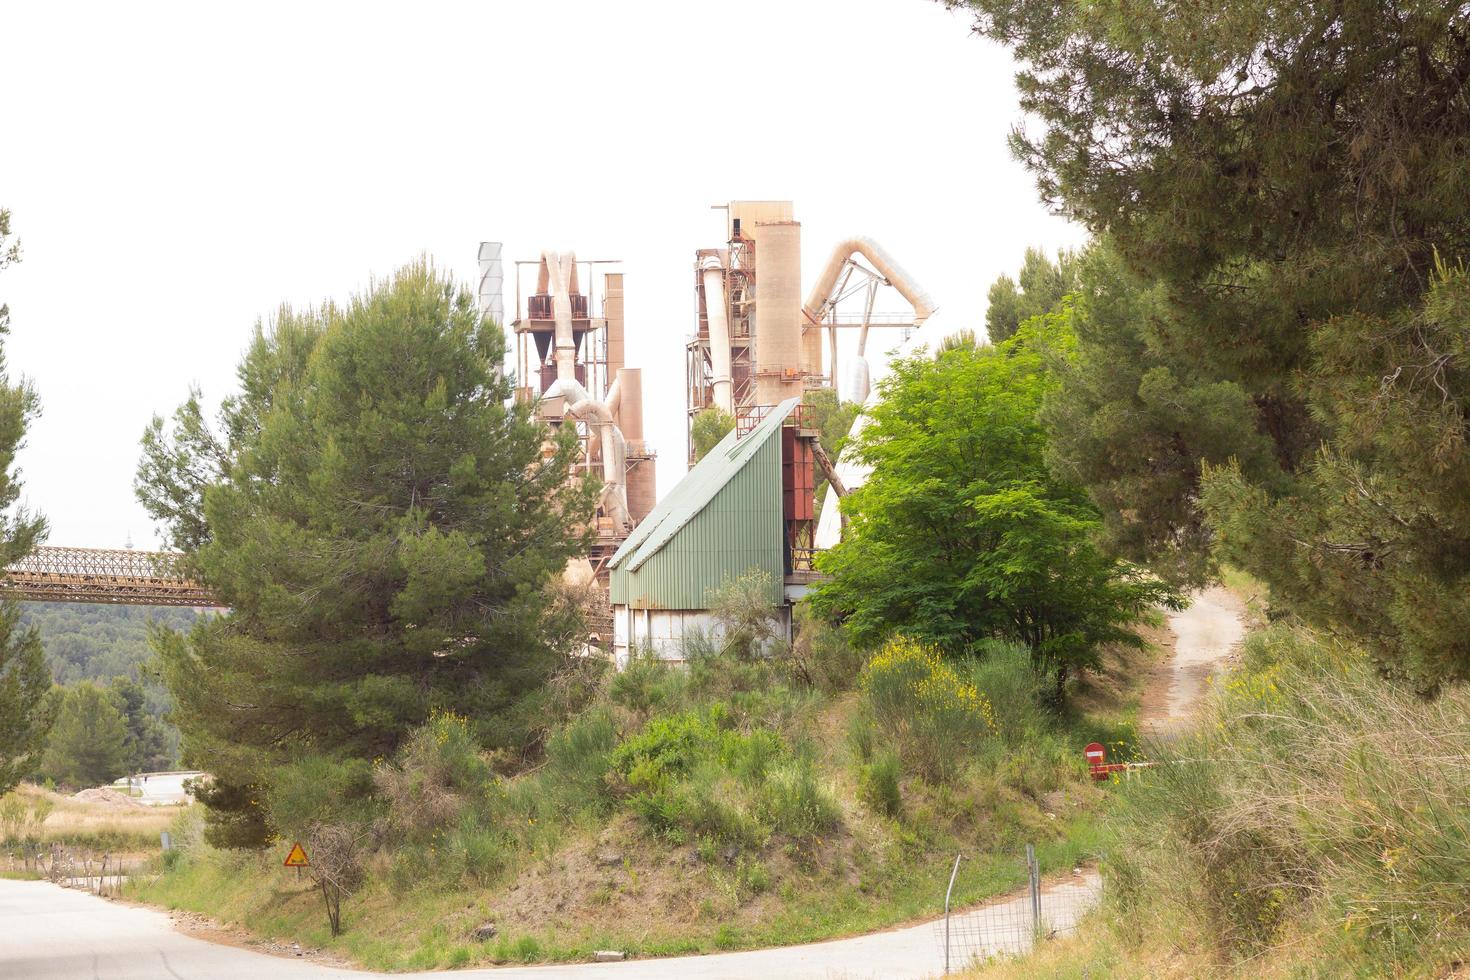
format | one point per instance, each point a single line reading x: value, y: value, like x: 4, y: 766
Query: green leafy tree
x: 710, y: 426
x: 88, y: 745
x: 1279, y: 179
x: 24, y: 680
x: 831, y: 417
x: 382, y: 525
x: 962, y: 534
x: 1042, y: 285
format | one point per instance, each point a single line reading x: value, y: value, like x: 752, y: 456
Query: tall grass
x: 1319, y: 808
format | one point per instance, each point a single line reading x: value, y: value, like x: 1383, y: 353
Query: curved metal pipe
x: 614, y: 399
x: 818, y: 301
x: 613, y: 448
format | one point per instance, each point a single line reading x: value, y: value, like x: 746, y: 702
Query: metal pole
x: 947, y: 892
x: 1034, y: 873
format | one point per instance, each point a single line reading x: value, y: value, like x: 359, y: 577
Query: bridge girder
x: 111, y: 576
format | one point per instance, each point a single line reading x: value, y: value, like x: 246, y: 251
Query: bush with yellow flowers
x: 931, y: 714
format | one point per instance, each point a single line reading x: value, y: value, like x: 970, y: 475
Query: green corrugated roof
x: 697, y: 489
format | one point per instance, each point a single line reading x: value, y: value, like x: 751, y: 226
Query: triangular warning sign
x: 297, y: 857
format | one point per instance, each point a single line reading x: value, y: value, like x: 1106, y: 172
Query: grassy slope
x: 1329, y: 836
x: 611, y: 884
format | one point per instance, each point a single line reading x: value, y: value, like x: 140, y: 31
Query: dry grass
x: 99, y: 825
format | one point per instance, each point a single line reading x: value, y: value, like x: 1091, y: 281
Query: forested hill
x: 88, y: 641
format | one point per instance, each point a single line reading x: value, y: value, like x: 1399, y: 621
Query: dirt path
x: 1205, y: 636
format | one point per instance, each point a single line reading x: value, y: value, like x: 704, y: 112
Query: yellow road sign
x: 297, y: 858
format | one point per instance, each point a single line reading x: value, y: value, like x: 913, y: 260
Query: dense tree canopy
x: 24, y: 680
x: 1276, y: 182
x: 961, y: 533
x: 1376, y: 534
x: 88, y: 745
x: 381, y: 521
x: 1132, y: 420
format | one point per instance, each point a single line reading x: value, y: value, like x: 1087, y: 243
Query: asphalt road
x: 53, y: 933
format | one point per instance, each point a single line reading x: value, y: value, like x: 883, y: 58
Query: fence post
x: 1033, y: 873
x: 947, y: 893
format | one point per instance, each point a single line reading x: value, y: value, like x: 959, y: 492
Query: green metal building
x: 746, y: 505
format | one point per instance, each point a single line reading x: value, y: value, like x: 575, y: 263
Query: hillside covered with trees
x: 110, y: 706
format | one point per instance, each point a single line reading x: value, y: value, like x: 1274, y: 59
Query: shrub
x: 821, y: 654
x: 795, y: 802
x: 482, y: 852
x: 312, y: 791
x: 713, y: 804
x: 1020, y: 699
x: 645, y: 683
x: 878, y: 784
x: 745, y: 609
x: 920, y: 702
x: 692, y: 773
x: 667, y: 747
x: 578, y: 759
x: 437, y: 772
x: 21, y: 817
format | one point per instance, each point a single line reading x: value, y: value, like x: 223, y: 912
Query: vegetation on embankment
x: 1313, y: 825
x: 733, y: 803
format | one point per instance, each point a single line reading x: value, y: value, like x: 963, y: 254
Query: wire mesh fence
x: 1011, y: 925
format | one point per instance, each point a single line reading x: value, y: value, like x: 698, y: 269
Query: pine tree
x: 88, y: 745
x: 382, y: 523
x: 147, y: 743
x: 1042, y: 285
x: 24, y: 679
x: 1284, y: 182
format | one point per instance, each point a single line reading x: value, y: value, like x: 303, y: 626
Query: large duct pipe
x: 560, y: 270
x: 612, y: 447
x: 614, y: 399
x: 561, y: 279
x: 719, y: 333
x: 818, y: 301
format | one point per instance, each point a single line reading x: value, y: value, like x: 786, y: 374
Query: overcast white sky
x: 176, y: 171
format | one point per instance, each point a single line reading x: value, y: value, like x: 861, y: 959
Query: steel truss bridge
x: 139, y: 578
